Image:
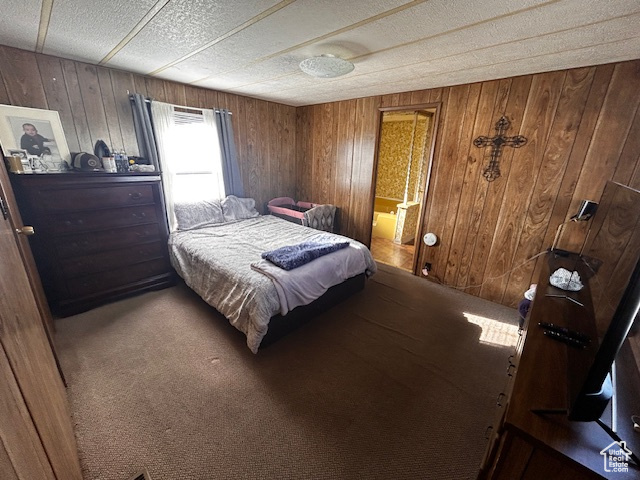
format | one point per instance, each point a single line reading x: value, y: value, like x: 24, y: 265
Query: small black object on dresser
x: 99, y: 236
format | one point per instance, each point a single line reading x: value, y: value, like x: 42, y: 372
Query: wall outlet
x: 427, y: 266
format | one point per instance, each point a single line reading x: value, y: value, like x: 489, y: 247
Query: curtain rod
x: 217, y: 110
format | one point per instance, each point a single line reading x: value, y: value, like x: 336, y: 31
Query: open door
x: 36, y: 434
x: 404, y: 157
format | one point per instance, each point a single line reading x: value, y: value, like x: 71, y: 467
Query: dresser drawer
x: 101, y: 282
x: 70, y: 199
x: 99, y: 236
x: 100, y: 262
x: 96, y: 242
x: 91, y: 220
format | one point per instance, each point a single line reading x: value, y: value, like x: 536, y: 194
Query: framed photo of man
x: 37, y: 131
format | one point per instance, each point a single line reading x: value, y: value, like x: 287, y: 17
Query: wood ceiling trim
x: 160, y: 4
x: 43, y: 28
x: 230, y: 33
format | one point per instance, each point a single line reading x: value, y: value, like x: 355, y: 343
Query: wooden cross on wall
x: 496, y: 143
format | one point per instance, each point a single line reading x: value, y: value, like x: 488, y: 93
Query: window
x: 194, y: 157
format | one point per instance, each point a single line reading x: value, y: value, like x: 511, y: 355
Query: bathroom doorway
x: 404, y: 158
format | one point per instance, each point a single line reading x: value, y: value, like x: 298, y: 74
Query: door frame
x: 427, y: 181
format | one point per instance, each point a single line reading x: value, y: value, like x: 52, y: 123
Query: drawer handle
x: 26, y: 230
x: 487, y: 432
x: 135, y: 196
x: 139, y: 215
x: 68, y: 223
x: 143, y: 234
x: 499, y: 399
x: 509, y: 372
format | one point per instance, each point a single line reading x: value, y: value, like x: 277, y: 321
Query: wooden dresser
x: 528, y: 445
x: 99, y: 236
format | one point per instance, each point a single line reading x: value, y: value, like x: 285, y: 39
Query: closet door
x: 21, y: 453
x: 26, y: 356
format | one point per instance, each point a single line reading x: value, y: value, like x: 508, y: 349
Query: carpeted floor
x: 394, y: 383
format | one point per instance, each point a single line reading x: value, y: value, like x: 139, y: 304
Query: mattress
x: 215, y: 261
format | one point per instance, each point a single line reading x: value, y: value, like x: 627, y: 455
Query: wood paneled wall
x: 583, y: 127
x: 93, y: 105
x: 614, y: 243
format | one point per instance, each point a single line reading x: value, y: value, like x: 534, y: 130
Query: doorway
x: 404, y: 158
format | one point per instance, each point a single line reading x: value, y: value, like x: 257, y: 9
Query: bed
x: 217, y: 250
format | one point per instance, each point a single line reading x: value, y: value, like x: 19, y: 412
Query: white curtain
x: 163, y: 123
x: 189, y: 154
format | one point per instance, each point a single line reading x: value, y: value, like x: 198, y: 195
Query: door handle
x: 26, y: 230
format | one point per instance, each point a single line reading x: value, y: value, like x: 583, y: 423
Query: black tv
x: 593, y: 397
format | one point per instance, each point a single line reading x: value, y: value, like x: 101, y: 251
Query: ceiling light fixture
x: 326, y: 66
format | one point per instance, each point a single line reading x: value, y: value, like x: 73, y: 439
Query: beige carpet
x: 391, y: 384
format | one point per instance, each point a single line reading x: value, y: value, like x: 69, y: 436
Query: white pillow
x: 196, y: 214
x: 234, y: 208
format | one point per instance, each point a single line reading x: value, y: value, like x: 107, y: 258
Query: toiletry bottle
x: 125, y: 160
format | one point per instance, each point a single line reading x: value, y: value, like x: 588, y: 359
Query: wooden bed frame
x: 279, y: 325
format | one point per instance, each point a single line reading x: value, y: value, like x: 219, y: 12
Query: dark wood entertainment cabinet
x: 526, y: 445
x: 99, y: 236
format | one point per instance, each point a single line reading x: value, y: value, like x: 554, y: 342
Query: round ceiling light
x: 326, y: 66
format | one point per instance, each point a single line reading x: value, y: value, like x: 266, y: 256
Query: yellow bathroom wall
x: 393, y: 160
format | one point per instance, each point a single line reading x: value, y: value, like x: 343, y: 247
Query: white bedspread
x: 215, y: 261
x: 304, y: 284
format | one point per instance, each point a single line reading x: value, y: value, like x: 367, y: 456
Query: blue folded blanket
x: 294, y: 256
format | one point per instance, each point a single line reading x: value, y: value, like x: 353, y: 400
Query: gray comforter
x: 215, y: 261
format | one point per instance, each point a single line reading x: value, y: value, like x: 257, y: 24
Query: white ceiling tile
x: 539, y: 21
x: 431, y: 19
x: 184, y: 26
x: 448, y: 53
x: 88, y: 30
x: 614, y: 52
x: 298, y: 23
x: 19, y: 21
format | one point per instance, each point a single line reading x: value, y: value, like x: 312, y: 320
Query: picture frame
x: 37, y: 131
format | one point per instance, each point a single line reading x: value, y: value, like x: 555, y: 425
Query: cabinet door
x: 25, y: 344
